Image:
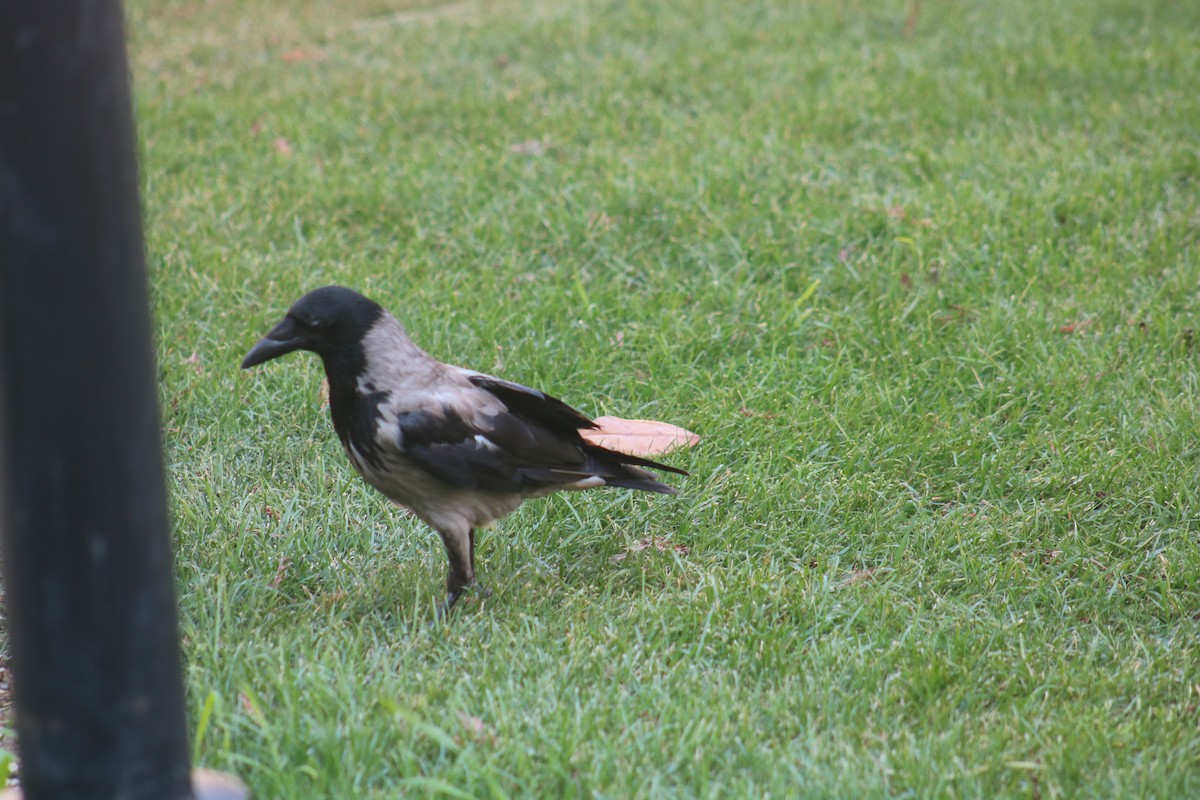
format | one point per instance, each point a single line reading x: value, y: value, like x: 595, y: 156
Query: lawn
x: 924, y: 276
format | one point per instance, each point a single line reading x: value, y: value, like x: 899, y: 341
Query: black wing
x: 535, y: 444
x: 538, y: 406
x: 534, y: 405
x: 506, y: 454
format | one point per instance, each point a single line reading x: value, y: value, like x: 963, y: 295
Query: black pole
x: 87, y: 554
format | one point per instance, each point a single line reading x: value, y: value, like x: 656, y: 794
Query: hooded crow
x: 461, y: 449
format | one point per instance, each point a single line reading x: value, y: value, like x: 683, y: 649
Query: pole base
x: 207, y: 784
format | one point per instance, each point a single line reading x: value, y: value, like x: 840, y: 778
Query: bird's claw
x: 473, y: 589
x: 443, y: 609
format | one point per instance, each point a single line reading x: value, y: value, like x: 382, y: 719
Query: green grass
x: 931, y: 298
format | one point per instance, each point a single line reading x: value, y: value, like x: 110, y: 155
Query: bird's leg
x: 460, y: 550
x: 480, y: 589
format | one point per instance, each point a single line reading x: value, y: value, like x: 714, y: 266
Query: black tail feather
x: 626, y: 471
x: 604, y: 454
x: 644, y: 483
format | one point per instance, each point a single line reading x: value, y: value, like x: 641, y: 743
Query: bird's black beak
x: 284, y: 338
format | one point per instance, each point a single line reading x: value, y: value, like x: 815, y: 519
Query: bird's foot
x: 471, y: 590
x: 443, y: 609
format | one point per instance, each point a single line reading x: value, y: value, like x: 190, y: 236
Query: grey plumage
x: 461, y: 449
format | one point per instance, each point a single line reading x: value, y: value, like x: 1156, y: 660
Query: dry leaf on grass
x: 299, y: 55
x: 281, y: 572
x: 252, y: 710
x: 194, y: 360
x: 531, y: 147
x: 479, y: 730
x: 658, y: 543
x: 1075, y: 327
x: 638, y: 437
x: 862, y: 575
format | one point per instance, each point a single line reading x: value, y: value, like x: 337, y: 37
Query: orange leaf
x: 532, y: 147
x: 638, y: 437
x: 298, y: 55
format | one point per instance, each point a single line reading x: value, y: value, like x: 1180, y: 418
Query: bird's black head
x: 330, y: 321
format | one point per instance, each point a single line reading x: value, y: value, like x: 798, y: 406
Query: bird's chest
x: 366, y: 425
x: 357, y: 418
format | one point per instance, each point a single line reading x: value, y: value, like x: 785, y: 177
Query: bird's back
x: 449, y: 442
